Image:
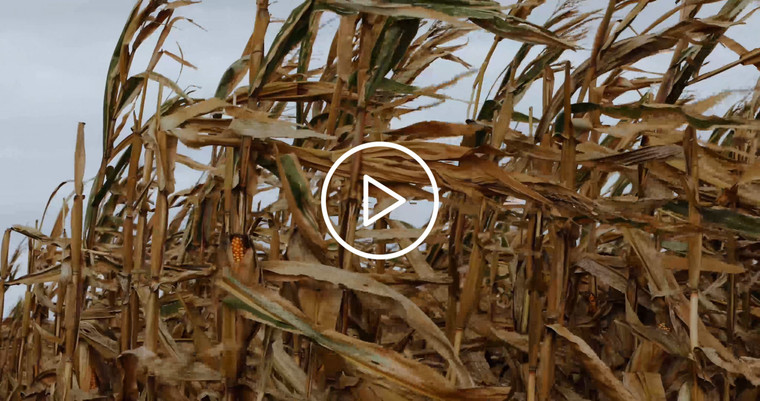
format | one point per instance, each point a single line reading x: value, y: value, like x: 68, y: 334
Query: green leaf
x: 694, y: 57
x: 484, y: 13
x: 131, y: 90
x: 390, y: 85
x: 514, y: 28
x: 304, y: 57
x: 236, y: 303
x: 534, y: 70
x: 523, y: 118
x: 171, y: 308
x: 231, y: 77
x: 298, y: 186
x: 676, y: 246
x: 726, y: 218
x: 415, y: 8
x: 394, y: 41
x: 292, y: 32
x: 113, y: 174
x: 112, y: 77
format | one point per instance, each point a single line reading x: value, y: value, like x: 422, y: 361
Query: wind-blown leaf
x: 674, y: 115
x: 168, y: 83
x: 231, y: 77
x: 360, y: 282
x: 729, y: 219
x: 606, y: 381
x: 292, y: 32
x: 371, y: 358
x: 484, y: 13
x: 393, y: 43
x: 109, y: 96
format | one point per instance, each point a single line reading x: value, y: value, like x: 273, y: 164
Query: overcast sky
x: 54, y: 56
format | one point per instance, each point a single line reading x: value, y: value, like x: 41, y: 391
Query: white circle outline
x: 326, y: 184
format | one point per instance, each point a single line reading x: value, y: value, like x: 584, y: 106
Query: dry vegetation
x: 589, y: 250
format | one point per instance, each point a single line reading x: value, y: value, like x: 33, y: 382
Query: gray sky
x: 55, y: 55
x: 52, y: 74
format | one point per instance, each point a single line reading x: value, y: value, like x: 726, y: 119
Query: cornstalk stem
x: 74, y: 294
x: 4, y: 272
x: 128, y: 300
x: 158, y: 236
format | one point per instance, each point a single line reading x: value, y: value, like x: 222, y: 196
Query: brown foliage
x: 558, y: 267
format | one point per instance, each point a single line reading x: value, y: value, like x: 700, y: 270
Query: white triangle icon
x: 365, y: 201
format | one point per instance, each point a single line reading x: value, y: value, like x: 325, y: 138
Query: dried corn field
x: 592, y: 248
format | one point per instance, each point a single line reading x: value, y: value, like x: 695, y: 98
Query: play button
x: 400, y: 200
x: 372, y: 186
